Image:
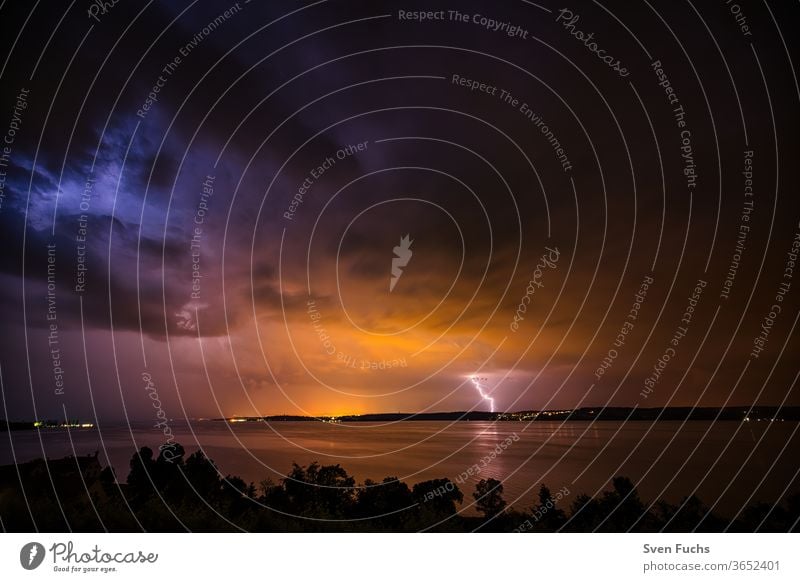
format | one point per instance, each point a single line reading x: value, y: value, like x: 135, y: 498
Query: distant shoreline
x: 735, y: 413
x: 618, y: 414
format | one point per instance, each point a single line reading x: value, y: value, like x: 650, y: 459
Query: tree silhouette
x: 489, y: 497
x: 546, y: 515
x: 320, y: 491
x: 622, y: 508
x: 585, y: 514
x: 385, y: 501
x: 438, y: 495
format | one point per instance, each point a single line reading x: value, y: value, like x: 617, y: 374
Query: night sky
x: 208, y: 198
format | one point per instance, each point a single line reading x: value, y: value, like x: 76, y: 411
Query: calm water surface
x: 726, y: 463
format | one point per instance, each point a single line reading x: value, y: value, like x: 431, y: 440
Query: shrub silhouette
x: 173, y: 492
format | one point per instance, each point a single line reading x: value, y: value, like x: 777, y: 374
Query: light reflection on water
x: 416, y: 451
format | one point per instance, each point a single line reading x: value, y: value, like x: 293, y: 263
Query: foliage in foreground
x: 183, y: 493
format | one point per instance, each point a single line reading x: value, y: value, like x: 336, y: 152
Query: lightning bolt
x: 477, y: 383
x: 32, y: 555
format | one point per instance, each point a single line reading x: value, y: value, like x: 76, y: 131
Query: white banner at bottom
x: 390, y: 557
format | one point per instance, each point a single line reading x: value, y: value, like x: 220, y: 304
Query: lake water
x: 725, y: 463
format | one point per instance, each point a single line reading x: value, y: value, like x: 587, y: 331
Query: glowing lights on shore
x: 70, y: 424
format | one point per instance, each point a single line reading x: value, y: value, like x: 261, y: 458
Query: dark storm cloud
x: 611, y: 231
